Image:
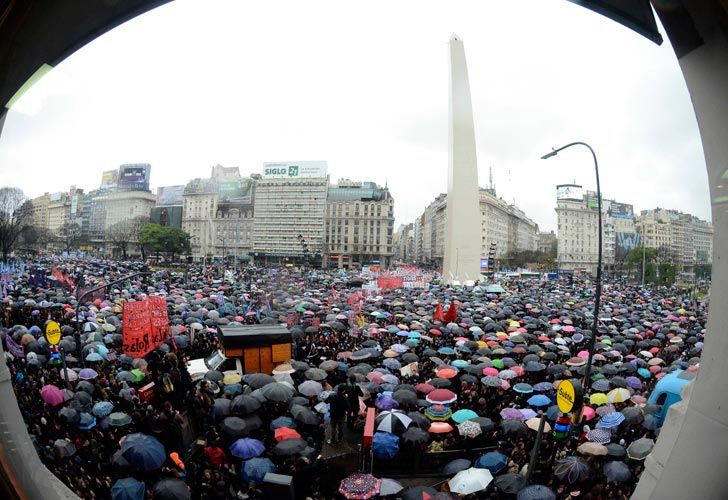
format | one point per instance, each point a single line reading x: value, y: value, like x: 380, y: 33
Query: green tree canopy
x: 165, y: 239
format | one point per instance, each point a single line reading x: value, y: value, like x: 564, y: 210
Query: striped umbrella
x: 610, y: 420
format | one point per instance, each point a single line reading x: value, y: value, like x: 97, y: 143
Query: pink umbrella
x: 588, y: 413
x: 375, y: 377
x: 490, y: 371
x: 568, y: 329
x: 52, y: 395
x: 583, y: 354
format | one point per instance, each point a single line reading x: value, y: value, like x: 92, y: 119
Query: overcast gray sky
x: 364, y: 85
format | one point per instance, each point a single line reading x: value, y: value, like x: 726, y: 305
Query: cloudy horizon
x: 193, y: 84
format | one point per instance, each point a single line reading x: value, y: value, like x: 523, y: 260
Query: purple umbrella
x: 511, y: 414
x: 634, y: 382
x: 87, y: 374
x: 386, y: 403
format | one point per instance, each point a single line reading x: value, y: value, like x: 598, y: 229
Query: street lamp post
x: 598, y: 294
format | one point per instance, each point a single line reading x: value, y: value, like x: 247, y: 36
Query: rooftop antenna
x: 491, y: 177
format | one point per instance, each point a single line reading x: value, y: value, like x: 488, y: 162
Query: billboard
x: 569, y: 192
x: 169, y: 195
x: 484, y: 265
x: 623, y: 243
x: 134, y: 176
x: 109, y: 179
x: 621, y: 210
x: 295, y: 170
x: 592, y: 201
x: 236, y: 191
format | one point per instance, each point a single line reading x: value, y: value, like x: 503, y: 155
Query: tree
x: 125, y: 232
x: 634, y: 260
x: 164, y: 239
x: 69, y: 235
x: 703, y: 271
x: 15, y: 215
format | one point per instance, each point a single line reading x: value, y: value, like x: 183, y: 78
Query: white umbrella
x: 470, y: 480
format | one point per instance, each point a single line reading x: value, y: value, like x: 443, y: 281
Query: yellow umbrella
x: 598, y: 398
x: 389, y: 353
x: 231, y: 378
x: 481, y: 344
x: 618, y: 395
x: 594, y: 449
x: 533, y: 423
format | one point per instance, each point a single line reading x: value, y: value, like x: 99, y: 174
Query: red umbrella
x: 446, y: 372
x: 441, y: 396
x: 435, y: 332
x: 425, y: 388
x: 440, y: 428
x: 283, y: 433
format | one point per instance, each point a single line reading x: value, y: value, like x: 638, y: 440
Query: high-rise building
x: 217, y: 213
x: 359, y: 225
x: 290, y: 211
x: 404, y: 244
x: 679, y: 238
x: 503, y: 227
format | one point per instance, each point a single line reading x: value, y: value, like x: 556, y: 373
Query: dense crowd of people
x: 459, y: 373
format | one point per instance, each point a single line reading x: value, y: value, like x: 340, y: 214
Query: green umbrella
x: 498, y: 363
x: 138, y: 375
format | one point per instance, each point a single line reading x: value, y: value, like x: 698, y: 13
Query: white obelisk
x: 462, y: 225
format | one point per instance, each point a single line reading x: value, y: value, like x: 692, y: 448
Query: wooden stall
x: 260, y: 347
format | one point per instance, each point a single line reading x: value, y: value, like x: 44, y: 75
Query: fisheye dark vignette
x: 673, y: 263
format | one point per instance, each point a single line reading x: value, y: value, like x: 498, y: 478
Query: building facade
x: 501, y: 224
x: 359, y: 225
x: 217, y: 213
x: 546, y: 241
x: 290, y: 211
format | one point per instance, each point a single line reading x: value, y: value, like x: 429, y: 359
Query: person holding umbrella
x: 353, y: 391
x: 338, y: 409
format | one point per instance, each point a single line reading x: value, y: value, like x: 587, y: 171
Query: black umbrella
x: 171, y: 489
x: 244, y: 404
x: 486, y: 424
x: 234, y: 427
x: 419, y: 420
x: 510, y: 484
x: 305, y: 415
x: 455, y: 466
x: 514, y: 427
x: 222, y: 407
x: 69, y: 415
x: 289, y: 447
x: 405, y: 397
x: 277, y: 391
x: 258, y: 380
x: 414, y: 436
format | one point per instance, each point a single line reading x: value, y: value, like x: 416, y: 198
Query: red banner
x: 293, y: 319
x: 390, y: 282
x: 136, y: 321
x: 146, y: 325
x: 159, y: 320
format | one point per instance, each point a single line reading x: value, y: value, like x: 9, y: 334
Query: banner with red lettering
x: 146, y: 325
x: 390, y: 282
x: 136, y: 320
x: 159, y: 319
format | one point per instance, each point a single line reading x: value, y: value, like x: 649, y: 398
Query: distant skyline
x: 366, y: 90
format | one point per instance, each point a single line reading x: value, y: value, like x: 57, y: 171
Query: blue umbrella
x: 447, y: 351
x: 610, y: 420
x: 393, y: 329
x: 536, y: 492
x: 553, y: 413
x: 460, y: 364
x: 255, y: 469
x: 493, y: 461
x: 94, y: 356
x: 455, y: 466
x: 461, y: 416
x: 401, y: 333
x: 539, y: 400
x: 143, y: 452
x: 543, y: 387
x: 651, y: 422
x: 127, y: 489
x: 102, y: 409
x: 644, y: 373
x: 414, y: 335
x: 523, y: 388
x: 282, y: 422
x: 392, y: 364
x: 246, y: 448
x: 86, y: 421
x: 233, y: 389
x: 617, y: 471
x: 386, y: 403
x: 386, y: 445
